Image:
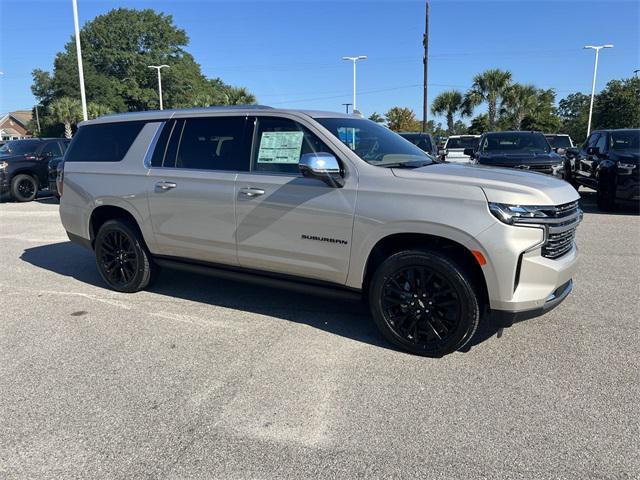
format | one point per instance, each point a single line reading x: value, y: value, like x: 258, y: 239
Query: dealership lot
x: 200, y: 378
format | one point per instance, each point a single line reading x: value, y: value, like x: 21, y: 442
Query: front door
x: 287, y: 223
x: 191, y: 187
x: 588, y: 162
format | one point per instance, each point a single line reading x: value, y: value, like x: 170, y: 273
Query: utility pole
x: 355, y: 60
x: 425, y: 60
x: 76, y: 26
x: 347, y: 105
x: 38, y: 120
x: 593, y: 84
x: 159, y: 67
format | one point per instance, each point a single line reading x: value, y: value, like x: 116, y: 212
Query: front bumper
x: 506, y: 318
x: 5, y: 183
x: 530, y: 266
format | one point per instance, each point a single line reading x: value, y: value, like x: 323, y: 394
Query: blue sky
x: 289, y: 53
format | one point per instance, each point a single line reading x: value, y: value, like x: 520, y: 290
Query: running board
x: 260, y: 278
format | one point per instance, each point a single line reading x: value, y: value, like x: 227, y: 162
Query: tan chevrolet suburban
x: 325, y: 203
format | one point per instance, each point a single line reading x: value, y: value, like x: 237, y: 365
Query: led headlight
x: 510, y: 214
x: 625, y: 168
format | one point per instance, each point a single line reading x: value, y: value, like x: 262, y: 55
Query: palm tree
x: 488, y: 86
x: 376, y: 117
x: 67, y: 111
x: 237, y: 96
x: 449, y: 104
x: 95, y: 110
x: 519, y: 101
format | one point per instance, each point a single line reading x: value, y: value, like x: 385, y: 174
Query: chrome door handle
x: 251, y: 192
x: 166, y: 185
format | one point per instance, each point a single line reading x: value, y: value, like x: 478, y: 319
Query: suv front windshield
x: 462, y: 143
x: 19, y: 147
x: 511, y: 142
x: 376, y: 144
x: 626, y: 140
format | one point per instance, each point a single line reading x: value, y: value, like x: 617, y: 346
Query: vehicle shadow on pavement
x: 589, y: 204
x: 346, y: 318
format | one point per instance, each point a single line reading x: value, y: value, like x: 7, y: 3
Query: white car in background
x: 453, y: 150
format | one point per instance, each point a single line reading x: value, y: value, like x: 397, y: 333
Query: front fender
x: 363, y: 247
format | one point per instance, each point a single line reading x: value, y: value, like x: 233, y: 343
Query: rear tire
x: 424, y: 303
x: 24, y: 188
x: 122, y: 258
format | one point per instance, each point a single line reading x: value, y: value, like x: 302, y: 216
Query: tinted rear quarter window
x: 106, y: 142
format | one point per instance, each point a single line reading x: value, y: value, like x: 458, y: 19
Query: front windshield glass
x: 510, y: 142
x: 628, y: 140
x: 374, y: 143
x: 18, y: 147
x: 559, y: 141
x: 462, y: 142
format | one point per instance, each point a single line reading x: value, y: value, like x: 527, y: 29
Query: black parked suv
x: 523, y: 150
x: 55, y: 167
x: 609, y: 162
x: 24, y: 166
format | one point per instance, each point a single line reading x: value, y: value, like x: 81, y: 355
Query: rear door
x: 287, y: 223
x: 191, y: 187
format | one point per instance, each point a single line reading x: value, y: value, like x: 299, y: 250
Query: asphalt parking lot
x: 199, y: 378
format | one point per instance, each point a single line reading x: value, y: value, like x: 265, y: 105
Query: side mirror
x: 322, y: 166
x: 593, y: 150
x: 572, y: 152
x: 469, y: 152
x: 442, y: 152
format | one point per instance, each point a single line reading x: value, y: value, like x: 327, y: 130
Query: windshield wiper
x: 406, y: 164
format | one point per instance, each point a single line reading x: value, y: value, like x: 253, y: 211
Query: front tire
x: 606, y: 194
x: 122, y: 258
x: 24, y: 188
x: 423, y: 302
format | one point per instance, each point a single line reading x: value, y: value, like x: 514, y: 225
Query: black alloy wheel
x: 24, y: 188
x: 122, y: 258
x: 424, y: 303
x: 118, y: 258
x: 420, y: 305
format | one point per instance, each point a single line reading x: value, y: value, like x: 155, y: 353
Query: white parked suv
x: 454, y: 147
x: 325, y: 203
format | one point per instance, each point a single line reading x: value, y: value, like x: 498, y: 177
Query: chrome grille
x: 561, y: 229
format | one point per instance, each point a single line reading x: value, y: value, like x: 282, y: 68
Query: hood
x: 500, y: 185
x: 519, y: 158
x: 625, y: 157
x: 10, y: 158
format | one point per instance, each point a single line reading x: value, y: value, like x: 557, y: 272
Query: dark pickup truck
x: 522, y: 150
x: 24, y: 166
x: 609, y: 162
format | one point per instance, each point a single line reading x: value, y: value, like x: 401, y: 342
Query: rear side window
x: 106, y: 142
x: 213, y: 143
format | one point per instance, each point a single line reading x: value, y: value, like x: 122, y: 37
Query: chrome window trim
x: 152, y: 146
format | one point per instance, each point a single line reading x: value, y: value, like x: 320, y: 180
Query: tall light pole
x: 76, y: 26
x: 425, y: 61
x: 355, y: 60
x: 593, y: 85
x: 159, y: 67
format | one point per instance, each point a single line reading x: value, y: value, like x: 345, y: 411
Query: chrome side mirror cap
x: 322, y: 166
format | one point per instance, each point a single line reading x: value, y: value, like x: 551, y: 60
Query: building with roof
x: 14, y: 125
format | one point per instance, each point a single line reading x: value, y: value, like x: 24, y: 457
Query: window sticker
x: 280, y: 147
